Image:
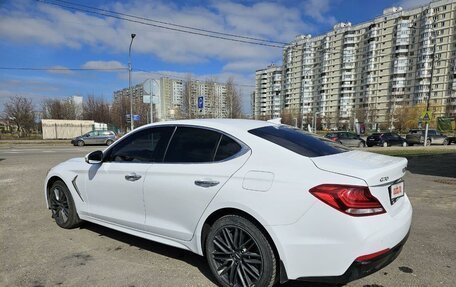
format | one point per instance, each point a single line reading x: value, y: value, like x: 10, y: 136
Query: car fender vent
x: 76, y: 187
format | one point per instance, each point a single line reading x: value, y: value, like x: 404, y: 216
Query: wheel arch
x: 210, y: 220
x: 49, y: 183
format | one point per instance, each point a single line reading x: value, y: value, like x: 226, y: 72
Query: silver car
x: 95, y: 137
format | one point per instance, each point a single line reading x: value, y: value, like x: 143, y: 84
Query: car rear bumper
x: 325, y: 243
x: 360, y: 269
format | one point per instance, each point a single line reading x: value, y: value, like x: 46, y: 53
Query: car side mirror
x: 94, y: 157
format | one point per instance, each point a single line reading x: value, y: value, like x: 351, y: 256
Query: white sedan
x: 262, y: 202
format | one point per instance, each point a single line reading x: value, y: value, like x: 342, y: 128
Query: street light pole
x: 129, y: 82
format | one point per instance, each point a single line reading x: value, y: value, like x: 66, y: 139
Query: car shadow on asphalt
x: 435, y: 165
x: 174, y: 252
x: 162, y: 249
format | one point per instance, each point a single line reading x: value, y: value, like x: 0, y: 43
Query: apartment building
x: 365, y: 72
x: 267, y: 102
x: 169, y: 100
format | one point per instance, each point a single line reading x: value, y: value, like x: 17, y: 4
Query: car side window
x: 226, y: 148
x: 431, y: 133
x: 192, y: 145
x: 148, y: 145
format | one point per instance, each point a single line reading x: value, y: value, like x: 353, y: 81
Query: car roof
x: 228, y: 125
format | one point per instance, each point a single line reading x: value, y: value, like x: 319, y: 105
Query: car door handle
x: 132, y: 177
x: 206, y: 183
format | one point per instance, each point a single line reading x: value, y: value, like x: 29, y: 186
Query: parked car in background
x: 101, y: 137
x: 416, y: 136
x: 385, y: 140
x: 346, y: 138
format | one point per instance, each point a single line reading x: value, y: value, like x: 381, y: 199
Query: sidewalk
x: 46, y: 142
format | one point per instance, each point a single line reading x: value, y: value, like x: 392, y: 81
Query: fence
x: 65, y: 129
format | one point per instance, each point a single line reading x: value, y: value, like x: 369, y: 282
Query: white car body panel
x: 268, y: 182
x: 166, y: 198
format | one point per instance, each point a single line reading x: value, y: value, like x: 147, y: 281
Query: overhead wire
x: 169, y: 23
x: 135, y: 20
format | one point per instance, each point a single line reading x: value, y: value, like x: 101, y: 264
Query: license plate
x: 396, y: 191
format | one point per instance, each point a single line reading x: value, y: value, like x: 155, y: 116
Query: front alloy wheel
x: 62, y: 206
x: 239, y: 255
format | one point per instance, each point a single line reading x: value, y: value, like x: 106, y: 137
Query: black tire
x: 81, y: 143
x: 428, y: 142
x: 62, y: 206
x: 411, y: 144
x: 237, y: 251
x: 109, y: 142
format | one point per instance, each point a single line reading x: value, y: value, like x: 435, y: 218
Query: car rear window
x: 300, y: 142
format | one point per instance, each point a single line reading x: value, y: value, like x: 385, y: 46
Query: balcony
x: 423, y: 73
x: 348, y: 65
x: 349, y: 39
x: 400, y: 70
x: 401, y: 49
x: 397, y: 93
x: 347, y: 84
x: 373, y: 33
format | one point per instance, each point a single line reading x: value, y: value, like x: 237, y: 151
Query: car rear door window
x: 298, y: 141
x: 147, y: 145
x: 226, y: 148
x: 191, y: 144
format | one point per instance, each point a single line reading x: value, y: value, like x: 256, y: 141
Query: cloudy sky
x: 36, y: 34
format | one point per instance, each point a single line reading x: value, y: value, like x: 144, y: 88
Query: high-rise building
x: 365, y: 72
x: 267, y: 98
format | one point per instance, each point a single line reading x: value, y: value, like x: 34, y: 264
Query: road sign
x: 146, y: 99
x: 200, y: 102
x: 426, y: 116
x: 136, y: 117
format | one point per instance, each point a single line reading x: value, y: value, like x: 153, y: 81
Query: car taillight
x: 349, y: 199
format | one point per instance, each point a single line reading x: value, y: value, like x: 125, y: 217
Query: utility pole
x: 129, y: 83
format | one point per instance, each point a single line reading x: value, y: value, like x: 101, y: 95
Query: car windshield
x: 300, y: 142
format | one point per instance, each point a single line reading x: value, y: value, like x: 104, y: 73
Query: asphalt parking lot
x: 34, y: 251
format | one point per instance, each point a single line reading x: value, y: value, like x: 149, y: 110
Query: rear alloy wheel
x: 81, y: 143
x: 62, y: 206
x: 385, y: 144
x: 404, y: 144
x: 239, y: 254
x: 109, y: 142
x: 428, y: 142
x: 361, y: 144
x: 445, y: 142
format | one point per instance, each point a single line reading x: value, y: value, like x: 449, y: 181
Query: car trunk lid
x: 378, y: 171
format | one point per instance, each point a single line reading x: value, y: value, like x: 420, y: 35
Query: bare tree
x: 96, y: 109
x: 19, y: 110
x: 233, y: 100
x: 59, y: 109
x: 187, y: 95
x: 120, y: 108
